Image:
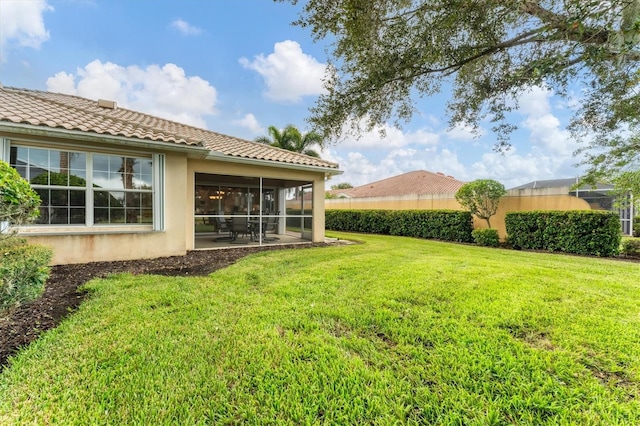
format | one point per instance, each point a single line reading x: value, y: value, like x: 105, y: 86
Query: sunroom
x: 232, y: 210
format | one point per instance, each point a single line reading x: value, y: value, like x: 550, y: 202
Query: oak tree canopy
x: 386, y: 53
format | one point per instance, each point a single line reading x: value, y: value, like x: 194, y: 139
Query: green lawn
x: 395, y: 330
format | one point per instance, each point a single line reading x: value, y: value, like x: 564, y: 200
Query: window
x: 84, y: 188
x: 123, y: 189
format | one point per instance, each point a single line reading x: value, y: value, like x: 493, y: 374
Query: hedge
x: 582, y: 232
x: 631, y: 248
x: 23, y: 272
x: 487, y: 237
x: 447, y: 225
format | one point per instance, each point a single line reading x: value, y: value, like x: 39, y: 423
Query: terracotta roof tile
x: 56, y: 110
x: 419, y: 182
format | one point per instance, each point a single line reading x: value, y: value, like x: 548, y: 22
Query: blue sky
x: 238, y: 66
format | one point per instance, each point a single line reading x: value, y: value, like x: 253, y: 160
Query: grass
x: 395, y: 330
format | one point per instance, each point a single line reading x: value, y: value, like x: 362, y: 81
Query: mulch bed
x: 62, y: 295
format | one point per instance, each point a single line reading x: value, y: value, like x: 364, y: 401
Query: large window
x: 126, y: 189
x: 85, y: 188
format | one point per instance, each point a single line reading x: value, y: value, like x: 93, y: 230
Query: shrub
x: 582, y: 232
x: 481, y: 197
x: 18, y: 202
x: 446, y: 225
x: 486, y: 237
x: 636, y: 226
x: 631, y: 248
x: 23, y: 271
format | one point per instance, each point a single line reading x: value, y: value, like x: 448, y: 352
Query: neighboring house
x: 118, y: 184
x: 420, y: 186
x: 596, y: 197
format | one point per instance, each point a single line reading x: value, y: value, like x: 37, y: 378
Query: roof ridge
x: 405, y: 174
x: 98, y: 113
x: 77, y: 113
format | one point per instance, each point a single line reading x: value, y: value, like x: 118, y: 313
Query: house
x: 593, y: 197
x: 117, y: 184
x: 419, y: 189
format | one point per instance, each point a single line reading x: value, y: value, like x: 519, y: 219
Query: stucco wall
x: 513, y: 201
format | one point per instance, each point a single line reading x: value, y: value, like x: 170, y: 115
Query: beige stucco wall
x: 408, y: 202
x: 118, y: 243
x: 125, y: 243
x: 238, y: 169
x: 513, y: 201
x: 74, y: 244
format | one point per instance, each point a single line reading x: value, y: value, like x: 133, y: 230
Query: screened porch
x: 238, y: 210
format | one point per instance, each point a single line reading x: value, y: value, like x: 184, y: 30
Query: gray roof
x: 561, y: 183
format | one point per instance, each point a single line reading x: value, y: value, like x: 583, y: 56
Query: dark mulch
x: 62, y: 295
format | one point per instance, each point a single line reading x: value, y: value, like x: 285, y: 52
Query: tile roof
x: 59, y: 111
x: 419, y: 182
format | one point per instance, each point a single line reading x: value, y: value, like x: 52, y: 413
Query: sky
x: 238, y: 66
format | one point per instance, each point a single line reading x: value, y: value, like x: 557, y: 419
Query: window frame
x: 89, y: 225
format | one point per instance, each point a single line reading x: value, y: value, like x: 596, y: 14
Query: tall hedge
x: 447, y: 225
x: 582, y: 232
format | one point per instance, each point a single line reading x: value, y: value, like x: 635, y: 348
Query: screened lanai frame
x: 218, y: 199
x: 600, y: 199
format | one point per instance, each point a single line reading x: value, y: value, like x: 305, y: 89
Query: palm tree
x: 292, y: 139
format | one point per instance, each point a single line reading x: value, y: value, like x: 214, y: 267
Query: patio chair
x: 239, y: 226
x: 223, y: 227
x: 272, y: 226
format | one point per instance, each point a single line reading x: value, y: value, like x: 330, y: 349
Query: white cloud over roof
x: 22, y: 24
x: 163, y: 91
x: 250, y: 122
x: 288, y: 72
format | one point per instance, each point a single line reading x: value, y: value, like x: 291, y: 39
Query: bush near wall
x: 631, y: 248
x: 487, y: 237
x: 636, y: 226
x: 23, y: 272
x: 447, y: 225
x: 581, y: 232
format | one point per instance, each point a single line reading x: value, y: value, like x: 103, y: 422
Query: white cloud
x: 163, y: 91
x: 185, y: 28
x: 360, y: 169
x: 535, y: 101
x: 250, y: 122
x: 393, y: 138
x: 22, y: 24
x: 513, y: 169
x: 463, y: 132
x: 288, y: 73
x: 545, y: 127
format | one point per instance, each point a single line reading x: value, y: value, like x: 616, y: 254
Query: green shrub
x: 486, y: 237
x: 578, y: 231
x: 636, y: 226
x: 631, y: 248
x: 481, y: 197
x: 446, y: 225
x: 23, y: 272
x: 18, y: 202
